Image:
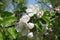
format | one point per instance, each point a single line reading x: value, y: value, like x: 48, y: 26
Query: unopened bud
x: 30, y: 25
x: 30, y: 35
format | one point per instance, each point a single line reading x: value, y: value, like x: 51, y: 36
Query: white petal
x: 25, y: 18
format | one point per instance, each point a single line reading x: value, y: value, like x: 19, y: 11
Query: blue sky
x: 10, y: 7
x: 31, y: 2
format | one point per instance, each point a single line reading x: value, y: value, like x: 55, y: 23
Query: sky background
x: 10, y: 7
x: 31, y: 2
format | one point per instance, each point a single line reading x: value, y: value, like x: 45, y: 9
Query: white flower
x: 30, y: 35
x: 30, y: 25
x: 22, y: 25
x: 25, y: 18
x: 31, y: 10
x: 40, y: 14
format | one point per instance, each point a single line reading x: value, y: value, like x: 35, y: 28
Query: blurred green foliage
x: 8, y: 20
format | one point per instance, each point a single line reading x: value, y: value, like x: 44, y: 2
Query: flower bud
x: 40, y: 14
x: 30, y: 25
x: 50, y: 6
x: 46, y: 33
x: 30, y: 35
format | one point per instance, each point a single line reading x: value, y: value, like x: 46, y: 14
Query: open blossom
x: 40, y: 14
x: 22, y: 23
x: 32, y: 9
x: 25, y: 18
x: 30, y: 25
x: 20, y: 26
x: 30, y: 35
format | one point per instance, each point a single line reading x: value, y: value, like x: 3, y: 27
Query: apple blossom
x: 25, y: 18
x: 31, y: 10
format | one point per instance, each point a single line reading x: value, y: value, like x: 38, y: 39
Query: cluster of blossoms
x: 24, y: 26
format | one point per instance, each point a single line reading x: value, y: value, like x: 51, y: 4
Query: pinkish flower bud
x: 30, y: 35
x: 30, y: 25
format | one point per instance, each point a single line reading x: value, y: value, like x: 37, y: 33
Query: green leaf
x: 1, y: 36
x: 44, y: 1
x: 12, y: 32
x: 46, y: 17
x: 38, y: 27
x: 8, y: 19
x: 1, y: 4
